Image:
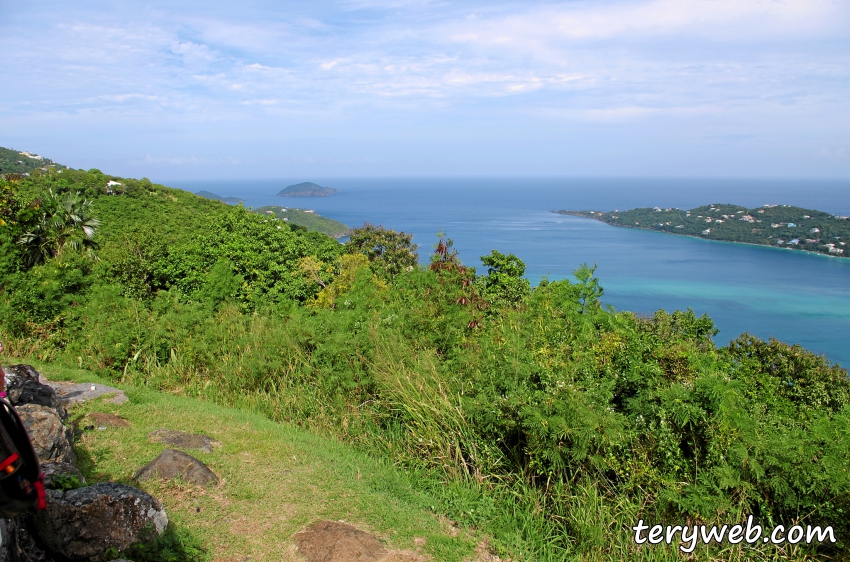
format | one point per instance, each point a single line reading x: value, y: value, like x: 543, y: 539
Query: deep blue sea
x: 795, y: 297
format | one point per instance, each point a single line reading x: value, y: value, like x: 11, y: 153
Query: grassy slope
x: 276, y: 479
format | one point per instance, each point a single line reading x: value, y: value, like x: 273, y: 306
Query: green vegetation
x: 22, y: 162
x: 66, y: 222
x: 307, y: 189
x: 306, y: 218
x: 389, y: 252
x: 214, y: 197
x: 782, y: 226
x: 534, y: 414
x: 66, y: 482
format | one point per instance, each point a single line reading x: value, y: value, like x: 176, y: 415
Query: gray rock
x: 183, y: 439
x: 51, y: 439
x: 83, y: 524
x: 24, y: 386
x: 70, y: 393
x: 18, y: 544
x: 177, y: 464
x: 54, y: 471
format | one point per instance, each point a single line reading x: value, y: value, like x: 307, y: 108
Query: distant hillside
x: 213, y: 196
x: 307, y: 218
x: 22, y: 162
x: 780, y: 226
x: 307, y: 189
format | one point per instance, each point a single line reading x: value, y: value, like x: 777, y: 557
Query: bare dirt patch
x: 333, y: 541
x: 247, y: 527
x: 483, y: 554
x: 100, y: 419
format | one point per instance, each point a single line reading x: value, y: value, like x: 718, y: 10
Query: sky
x: 357, y: 88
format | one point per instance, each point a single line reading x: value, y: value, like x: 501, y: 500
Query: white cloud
x: 389, y: 4
x: 128, y: 97
x: 626, y: 62
x: 513, y: 50
x: 258, y: 35
x: 712, y: 19
x: 172, y: 160
x: 834, y: 154
x: 192, y: 50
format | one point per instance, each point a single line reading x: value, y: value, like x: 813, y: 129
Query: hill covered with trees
x: 307, y: 218
x: 545, y: 419
x: 781, y: 226
x: 215, y: 197
x: 21, y: 162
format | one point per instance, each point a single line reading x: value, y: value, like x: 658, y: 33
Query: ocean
x: 768, y: 292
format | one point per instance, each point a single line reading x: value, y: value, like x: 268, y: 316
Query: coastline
x: 808, y: 252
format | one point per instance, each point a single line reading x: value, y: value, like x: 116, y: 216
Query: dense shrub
x: 390, y: 252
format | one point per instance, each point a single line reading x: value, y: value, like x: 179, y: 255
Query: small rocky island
x: 307, y: 189
x: 780, y: 226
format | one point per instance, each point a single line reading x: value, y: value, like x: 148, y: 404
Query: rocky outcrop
x: 69, y: 393
x: 42, y: 415
x: 177, y: 464
x: 18, y: 543
x: 51, y: 439
x: 83, y: 524
x: 183, y: 440
x: 24, y: 386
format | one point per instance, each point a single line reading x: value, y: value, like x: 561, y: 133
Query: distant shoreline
x: 598, y: 218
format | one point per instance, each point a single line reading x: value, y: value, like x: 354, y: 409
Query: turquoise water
x: 795, y: 297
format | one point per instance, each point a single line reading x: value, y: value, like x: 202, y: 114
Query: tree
x: 504, y: 284
x: 311, y: 268
x: 221, y: 283
x: 66, y: 223
x: 390, y: 252
x: 589, y: 290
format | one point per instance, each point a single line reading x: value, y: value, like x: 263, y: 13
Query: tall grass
x: 425, y: 415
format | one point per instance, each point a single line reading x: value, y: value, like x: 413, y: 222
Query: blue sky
x: 214, y: 89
